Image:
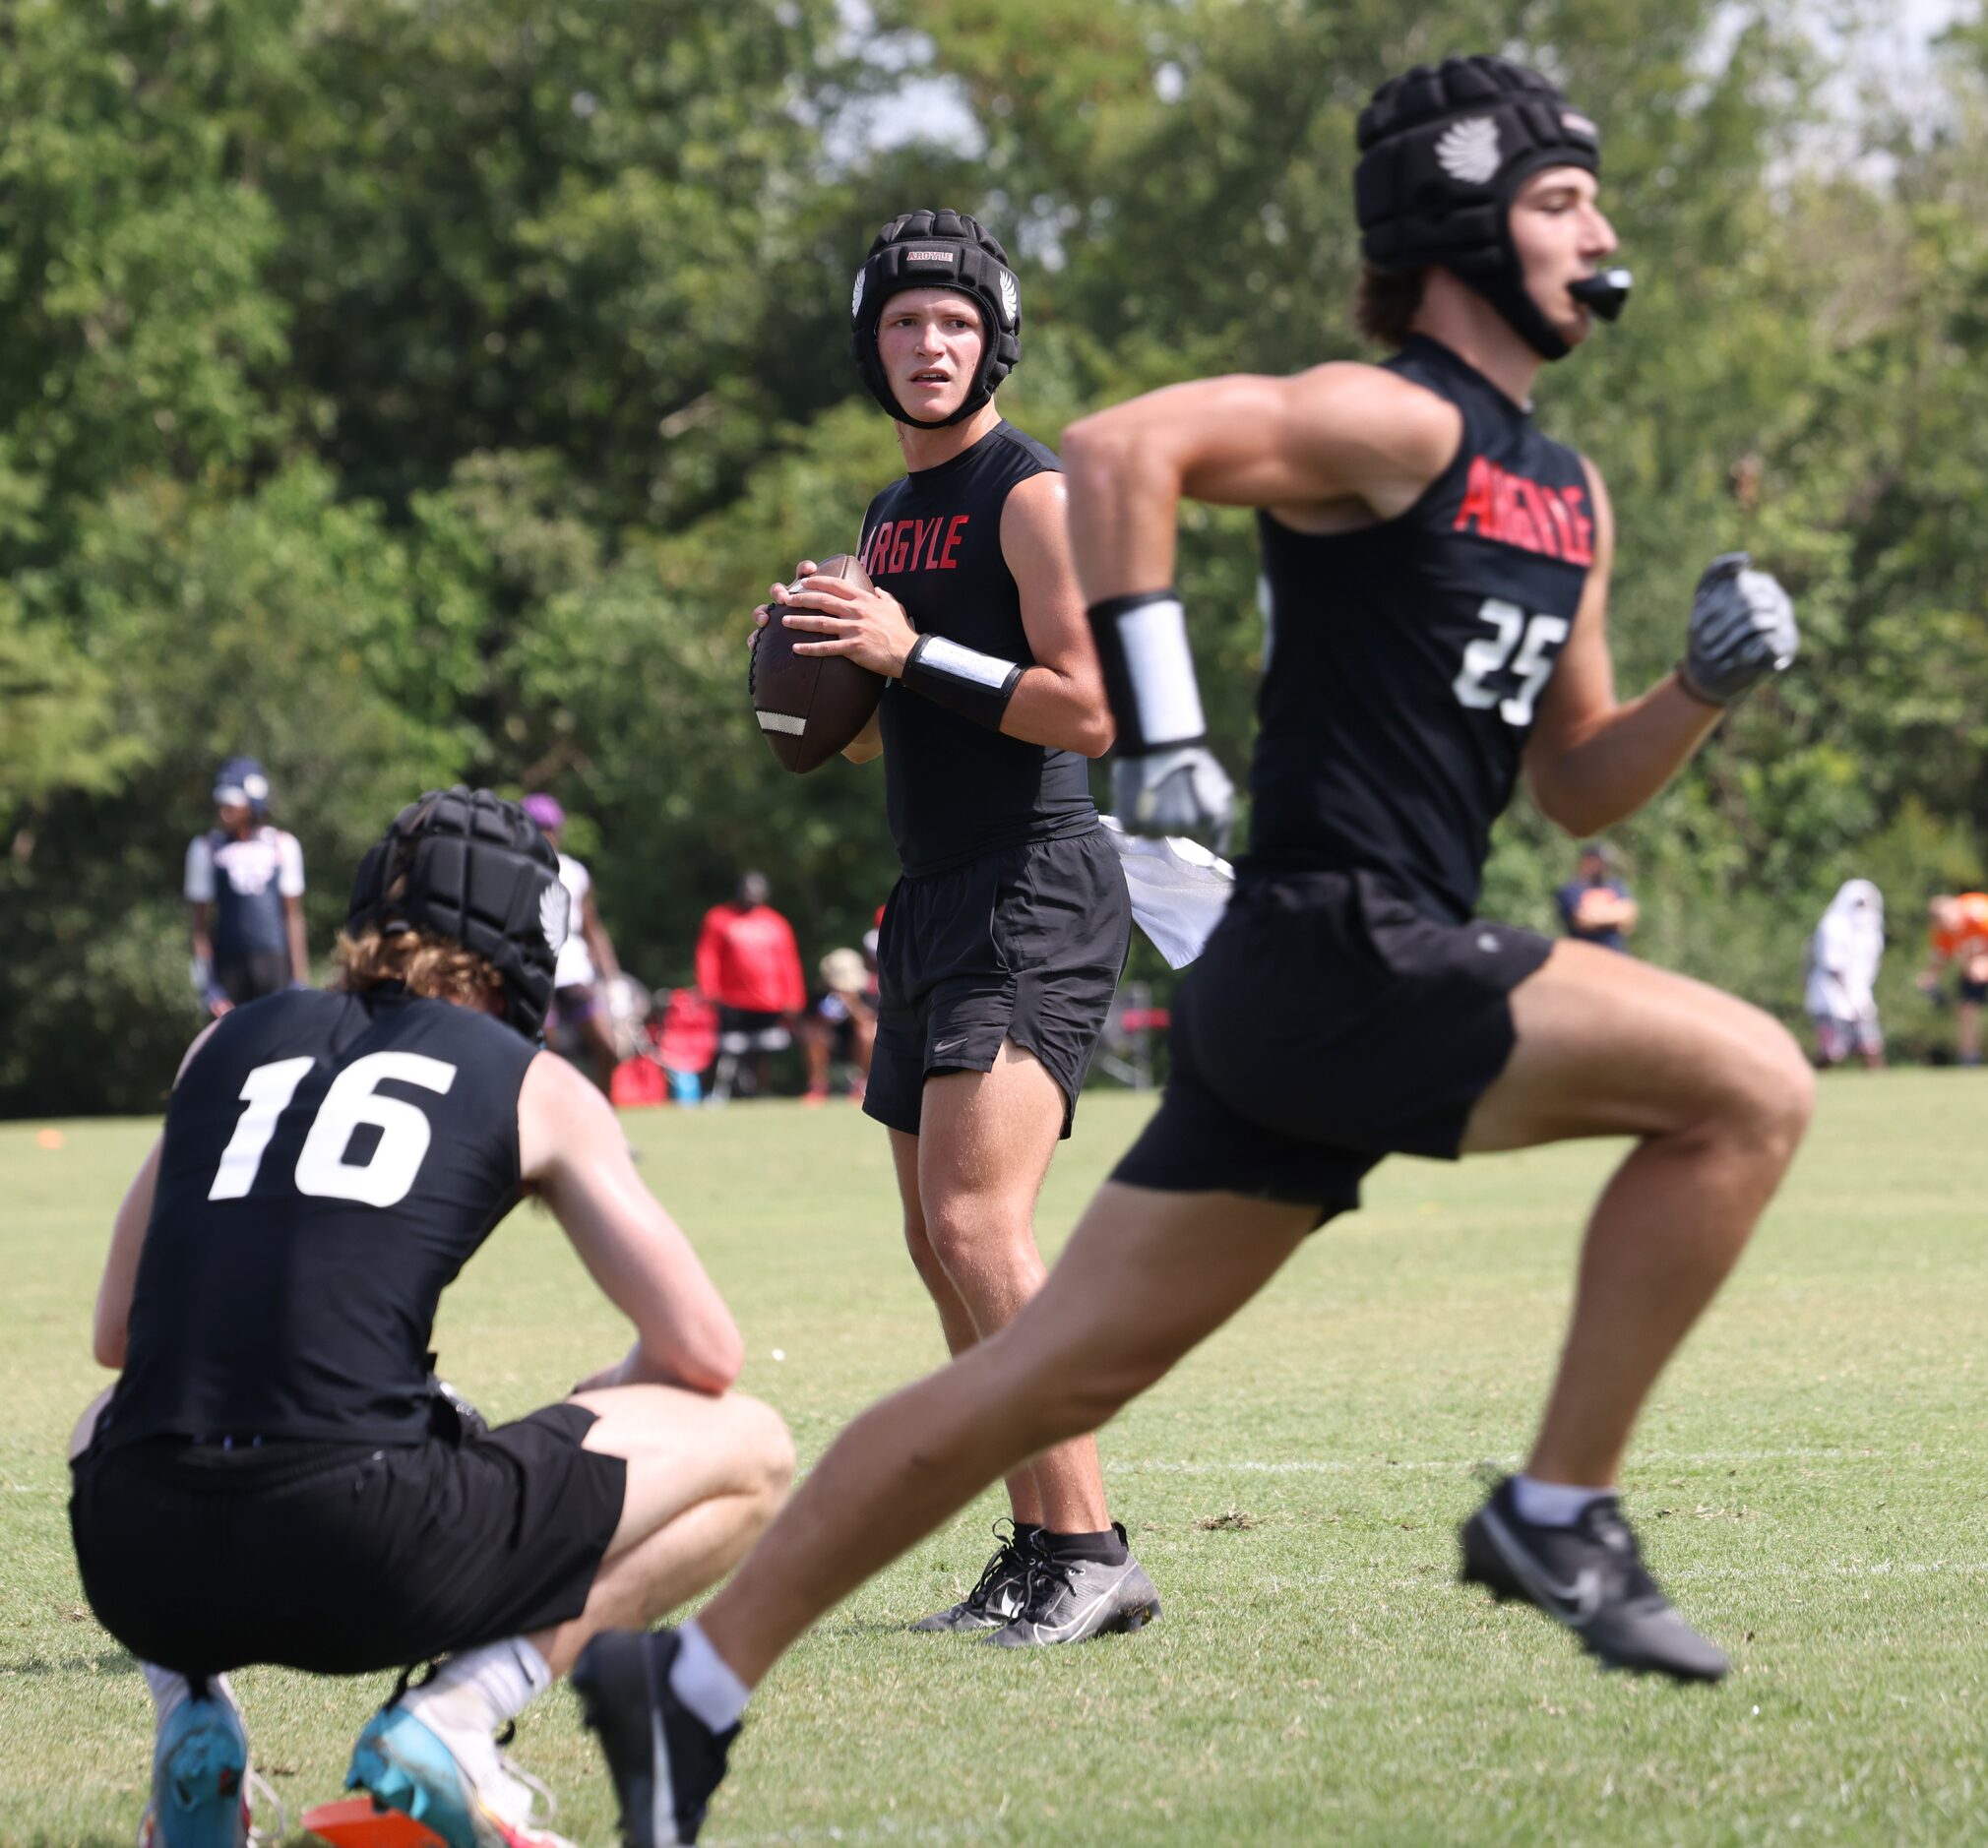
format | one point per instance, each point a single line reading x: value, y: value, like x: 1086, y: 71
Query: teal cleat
x: 199, y: 1775
x: 460, y: 1788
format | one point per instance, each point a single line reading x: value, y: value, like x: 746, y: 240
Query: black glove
x: 1742, y: 630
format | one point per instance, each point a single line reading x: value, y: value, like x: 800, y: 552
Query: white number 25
x: 385, y: 1177
x: 1520, y: 645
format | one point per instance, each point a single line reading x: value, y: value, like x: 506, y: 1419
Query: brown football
x: 810, y: 705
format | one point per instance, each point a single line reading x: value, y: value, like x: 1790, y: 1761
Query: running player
x: 245, y: 886
x: 1438, y: 573
x: 586, y: 958
x: 1956, y: 938
x: 1002, y: 944
x: 275, y: 1477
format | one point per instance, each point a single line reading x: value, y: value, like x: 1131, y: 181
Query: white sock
x: 1552, y: 1503
x: 479, y: 1689
x: 701, y: 1680
x: 169, y: 1689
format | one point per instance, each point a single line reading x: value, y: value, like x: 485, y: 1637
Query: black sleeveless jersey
x: 956, y: 790
x: 330, y: 1162
x: 1405, y: 662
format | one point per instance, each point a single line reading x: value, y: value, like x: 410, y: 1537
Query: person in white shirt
x: 587, y: 960
x: 1842, y: 974
x: 245, y: 884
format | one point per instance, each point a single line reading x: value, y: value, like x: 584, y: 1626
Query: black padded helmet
x: 472, y: 866
x: 1443, y: 152
x: 938, y: 250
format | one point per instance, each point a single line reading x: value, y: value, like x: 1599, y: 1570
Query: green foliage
x: 405, y: 393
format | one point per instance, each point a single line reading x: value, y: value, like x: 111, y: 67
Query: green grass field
x: 1811, y: 1484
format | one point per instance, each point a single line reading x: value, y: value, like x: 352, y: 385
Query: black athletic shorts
x: 1027, y: 944
x: 1328, y: 1024
x: 576, y: 1002
x: 251, y: 977
x: 1976, y: 992
x: 342, y: 1558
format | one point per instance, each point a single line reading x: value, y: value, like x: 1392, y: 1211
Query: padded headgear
x: 242, y: 779
x: 1443, y: 153
x: 938, y: 250
x: 474, y: 867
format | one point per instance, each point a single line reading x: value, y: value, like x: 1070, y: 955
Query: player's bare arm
x: 573, y: 1155
x: 293, y: 927
x: 111, y: 1323
x: 1333, y: 448
x: 202, y: 934
x: 1591, y: 759
x: 1060, y: 700
x: 1594, y: 760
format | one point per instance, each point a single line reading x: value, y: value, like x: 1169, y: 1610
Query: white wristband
x: 1160, y: 667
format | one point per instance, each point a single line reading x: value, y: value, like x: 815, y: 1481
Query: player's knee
x: 1778, y: 1088
x: 766, y: 1450
x: 925, y: 1259
x: 967, y: 1236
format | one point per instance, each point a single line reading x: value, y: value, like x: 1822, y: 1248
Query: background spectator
x: 841, y: 1026
x: 748, y: 963
x: 1842, y: 974
x: 1596, y: 907
x: 1958, y: 936
x: 586, y: 958
x: 250, y: 877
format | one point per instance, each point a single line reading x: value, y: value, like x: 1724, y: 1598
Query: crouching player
x: 275, y: 1477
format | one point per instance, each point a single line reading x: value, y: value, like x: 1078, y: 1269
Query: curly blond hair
x: 424, y: 962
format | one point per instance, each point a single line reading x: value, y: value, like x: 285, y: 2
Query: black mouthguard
x: 1606, y: 293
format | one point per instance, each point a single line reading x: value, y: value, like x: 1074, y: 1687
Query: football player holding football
x: 1002, y: 945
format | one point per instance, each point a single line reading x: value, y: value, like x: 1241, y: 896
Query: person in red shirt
x: 748, y: 963
x: 1957, y: 938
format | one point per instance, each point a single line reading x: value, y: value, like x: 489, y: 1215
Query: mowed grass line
x: 1810, y: 1483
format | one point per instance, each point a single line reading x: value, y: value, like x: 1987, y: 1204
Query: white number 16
x: 385, y: 1177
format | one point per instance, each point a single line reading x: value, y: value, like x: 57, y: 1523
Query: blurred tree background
x: 406, y: 390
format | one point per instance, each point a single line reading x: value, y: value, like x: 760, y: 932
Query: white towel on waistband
x: 1178, y: 889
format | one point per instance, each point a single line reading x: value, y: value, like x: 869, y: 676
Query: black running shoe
x: 665, y: 1762
x: 1002, y: 1592
x: 1071, y: 1600
x: 1589, y: 1576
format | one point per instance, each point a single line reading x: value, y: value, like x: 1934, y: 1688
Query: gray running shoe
x: 1072, y: 1600
x: 1000, y: 1595
x: 1589, y: 1576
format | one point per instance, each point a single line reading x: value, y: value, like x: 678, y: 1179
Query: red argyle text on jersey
x: 900, y: 546
x: 1535, y: 515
